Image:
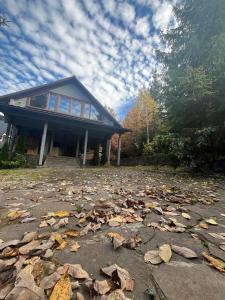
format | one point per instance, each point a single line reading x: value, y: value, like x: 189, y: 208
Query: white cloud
x: 127, y: 12
x: 143, y: 27
x: 163, y: 15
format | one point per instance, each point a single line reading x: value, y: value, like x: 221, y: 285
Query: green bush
x: 20, y: 158
x: 4, y: 154
x: 7, y: 164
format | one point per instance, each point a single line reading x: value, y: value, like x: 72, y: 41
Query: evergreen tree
x: 20, y: 145
x: 96, y: 158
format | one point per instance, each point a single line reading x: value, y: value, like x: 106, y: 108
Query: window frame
x: 56, y: 108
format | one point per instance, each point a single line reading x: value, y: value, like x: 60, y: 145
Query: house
x: 58, y: 119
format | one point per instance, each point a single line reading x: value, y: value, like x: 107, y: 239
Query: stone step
x: 61, y: 161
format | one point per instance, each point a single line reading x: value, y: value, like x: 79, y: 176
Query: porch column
x: 12, y: 140
x: 43, y: 139
x: 77, y: 147
x: 85, y: 147
x: 108, y: 151
x: 119, y: 150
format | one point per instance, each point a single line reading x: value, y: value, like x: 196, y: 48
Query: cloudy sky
x: 108, y: 44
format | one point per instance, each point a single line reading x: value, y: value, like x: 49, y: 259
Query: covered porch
x: 59, y: 136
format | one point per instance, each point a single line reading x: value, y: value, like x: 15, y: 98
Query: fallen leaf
x: 59, y: 214
x: 217, y: 235
x: 30, y: 236
x: 75, y: 247
x: 102, y: 286
x: 153, y: 257
x: 49, y: 281
x: 183, y: 251
x: 165, y: 252
x: 43, y: 224
x: 76, y: 271
x: 117, y: 239
x: 79, y: 296
x: 120, y: 275
x: 211, y: 221
x: 26, y: 249
x: 71, y: 233
x: 216, y: 263
x: 203, y: 225
x: 186, y: 216
x: 117, y: 295
x: 62, y: 289
x: 9, y: 243
x: 15, y: 214
x: 28, y: 220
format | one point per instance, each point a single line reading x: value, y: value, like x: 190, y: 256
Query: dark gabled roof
x: 55, y: 84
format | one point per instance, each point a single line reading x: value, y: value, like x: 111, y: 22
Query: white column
x: 77, y: 147
x: 85, y: 147
x: 108, y: 151
x: 43, y: 139
x: 119, y: 150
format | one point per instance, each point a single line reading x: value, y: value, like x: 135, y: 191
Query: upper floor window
x: 39, y: 101
x: 52, y: 102
x: 64, y: 105
x: 94, y: 114
x: 87, y: 109
x: 75, y: 108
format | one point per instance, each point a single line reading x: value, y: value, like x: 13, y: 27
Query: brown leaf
x: 203, y: 225
x: 165, y: 252
x: 183, y: 251
x: 153, y: 257
x: 117, y: 295
x: 186, y: 216
x: 79, y: 296
x: 49, y: 281
x: 26, y: 249
x: 102, y: 286
x: 9, y: 243
x: 211, y: 221
x: 117, y: 239
x: 71, y: 233
x: 77, y: 272
x: 75, y: 247
x: 216, y: 263
x: 30, y: 236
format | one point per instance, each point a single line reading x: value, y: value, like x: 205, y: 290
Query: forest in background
x: 180, y: 119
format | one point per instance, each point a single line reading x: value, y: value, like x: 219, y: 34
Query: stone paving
x: 157, y: 206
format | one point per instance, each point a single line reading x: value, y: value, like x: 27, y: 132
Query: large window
x: 39, y: 101
x: 86, y: 112
x: 52, y: 102
x: 75, y: 108
x: 94, y: 114
x: 64, y: 105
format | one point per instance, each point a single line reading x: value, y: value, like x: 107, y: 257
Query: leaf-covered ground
x: 111, y: 233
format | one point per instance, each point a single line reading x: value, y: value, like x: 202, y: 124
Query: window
x: 39, y: 101
x: 64, y: 104
x: 75, y: 108
x: 87, y: 108
x: 94, y: 113
x: 52, y: 102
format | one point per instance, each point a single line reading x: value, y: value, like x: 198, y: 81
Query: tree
x: 147, y: 109
x: 4, y: 154
x: 194, y: 77
x: 142, y: 119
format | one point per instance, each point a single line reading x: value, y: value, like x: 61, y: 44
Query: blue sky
x: 108, y: 44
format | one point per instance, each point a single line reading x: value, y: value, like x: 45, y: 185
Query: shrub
x: 4, y: 154
x: 20, y: 158
x: 9, y: 164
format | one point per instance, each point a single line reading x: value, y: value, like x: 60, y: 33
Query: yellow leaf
x: 62, y: 245
x: 59, y: 214
x: 75, y: 247
x: 211, y: 221
x: 89, y: 214
x: 13, y: 215
x: 71, y: 233
x: 216, y: 263
x: 203, y: 225
x: 62, y: 289
x: 165, y: 252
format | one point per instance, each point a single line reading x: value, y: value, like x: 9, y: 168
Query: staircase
x: 61, y: 162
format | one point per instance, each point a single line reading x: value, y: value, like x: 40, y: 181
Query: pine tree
x: 4, y: 154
